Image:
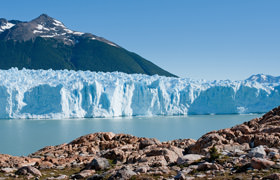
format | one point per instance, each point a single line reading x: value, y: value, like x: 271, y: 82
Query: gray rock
x: 28, y: 170
x: 258, y: 152
x: 83, y: 174
x: 124, y: 173
x: 189, y: 158
x: 58, y: 177
x: 7, y: 170
x: 98, y: 164
x: 142, y: 169
x: 180, y: 176
x: 208, y: 166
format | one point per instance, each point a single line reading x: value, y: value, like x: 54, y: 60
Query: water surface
x: 22, y: 137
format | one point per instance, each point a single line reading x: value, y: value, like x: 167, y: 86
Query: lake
x: 22, y: 137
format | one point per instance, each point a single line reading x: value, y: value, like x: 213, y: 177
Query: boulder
x: 124, y: 173
x: 142, y: 169
x: 274, y: 155
x: 208, y: 166
x: 60, y: 177
x: 7, y: 170
x: 258, y: 152
x: 98, y: 164
x: 260, y: 163
x: 46, y: 165
x: 28, y: 170
x: 189, y: 159
x: 170, y: 156
x: 83, y: 174
x: 116, y: 154
x: 145, y: 142
x: 180, y: 176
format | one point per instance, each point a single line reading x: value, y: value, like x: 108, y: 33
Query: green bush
x: 214, y: 153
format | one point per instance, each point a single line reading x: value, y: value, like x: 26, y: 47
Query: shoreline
x: 246, y: 150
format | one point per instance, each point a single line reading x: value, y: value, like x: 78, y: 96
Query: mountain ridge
x: 46, y: 43
x: 264, y: 78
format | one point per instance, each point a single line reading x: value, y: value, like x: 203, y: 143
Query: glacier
x: 60, y: 94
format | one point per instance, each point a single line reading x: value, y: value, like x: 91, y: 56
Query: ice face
x: 70, y: 94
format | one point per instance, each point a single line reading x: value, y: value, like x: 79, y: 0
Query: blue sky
x: 217, y: 39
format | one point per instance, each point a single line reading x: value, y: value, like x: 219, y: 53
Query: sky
x: 199, y: 39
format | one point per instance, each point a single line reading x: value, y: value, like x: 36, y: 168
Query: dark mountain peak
x: 43, y: 18
x: 47, y: 21
x: 46, y: 27
x: 45, y: 43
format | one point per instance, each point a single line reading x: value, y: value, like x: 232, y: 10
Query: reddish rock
x: 208, y: 166
x: 259, y: 163
x: 83, y: 174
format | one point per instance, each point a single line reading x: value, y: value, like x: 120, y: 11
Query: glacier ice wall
x: 70, y: 94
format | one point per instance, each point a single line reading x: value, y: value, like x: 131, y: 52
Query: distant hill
x: 45, y: 43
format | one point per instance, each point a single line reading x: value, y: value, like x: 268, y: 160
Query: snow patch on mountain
x: 70, y: 94
x: 46, y: 27
x: 5, y: 26
x: 262, y: 78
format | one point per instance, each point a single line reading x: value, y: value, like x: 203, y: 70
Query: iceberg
x: 58, y: 94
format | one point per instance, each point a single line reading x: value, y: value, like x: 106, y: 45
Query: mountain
x: 262, y: 78
x: 45, y: 43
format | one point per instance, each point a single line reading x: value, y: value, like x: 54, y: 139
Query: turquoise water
x: 22, y: 137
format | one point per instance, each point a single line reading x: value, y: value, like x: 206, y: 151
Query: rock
x: 58, y: 177
x: 142, y: 169
x: 258, y: 152
x: 189, y: 159
x: 108, y: 135
x: 154, y: 161
x: 260, y: 163
x: 243, y: 168
x: 124, y: 173
x: 242, y: 128
x: 145, y: 142
x: 208, y: 166
x: 180, y: 176
x: 83, y: 174
x: 116, y: 154
x: 274, y: 155
x: 7, y: 170
x: 27, y: 170
x: 98, y: 164
x: 96, y: 177
x: 169, y: 155
x: 46, y: 165
x: 275, y: 176
x: 236, y: 148
x: 189, y: 178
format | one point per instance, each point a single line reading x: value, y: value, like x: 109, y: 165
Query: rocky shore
x: 247, y: 151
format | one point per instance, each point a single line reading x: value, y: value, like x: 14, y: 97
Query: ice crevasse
x: 77, y: 94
